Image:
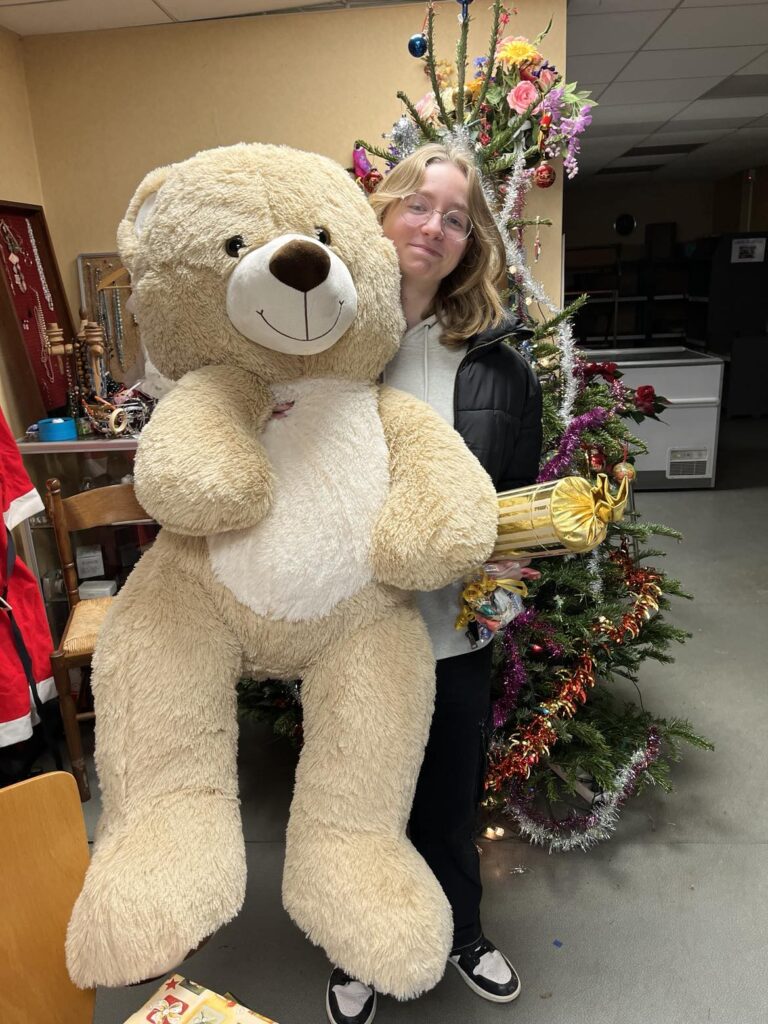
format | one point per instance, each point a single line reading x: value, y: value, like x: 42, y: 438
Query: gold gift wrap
x: 557, y: 518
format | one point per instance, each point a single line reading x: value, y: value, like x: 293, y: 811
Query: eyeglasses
x: 416, y: 209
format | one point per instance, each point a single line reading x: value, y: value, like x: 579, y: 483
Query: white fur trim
x: 21, y: 728
x: 282, y: 318
x: 22, y: 508
x: 331, y: 466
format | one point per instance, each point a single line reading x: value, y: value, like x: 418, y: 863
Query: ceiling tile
x: 672, y: 138
x: 721, y: 3
x: 698, y: 63
x: 631, y: 113
x: 79, y: 16
x: 686, y: 124
x: 617, y: 6
x: 744, y: 106
x: 657, y: 90
x: 608, y: 33
x: 734, y: 25
x: 739, y: 86
x: 600, y: 68
x: 599, y: 130
x: 756, y: 67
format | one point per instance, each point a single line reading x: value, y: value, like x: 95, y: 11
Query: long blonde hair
x: 468, y: 300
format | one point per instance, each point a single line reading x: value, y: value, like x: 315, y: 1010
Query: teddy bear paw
x: 372, y: 903
x: 155, y: 889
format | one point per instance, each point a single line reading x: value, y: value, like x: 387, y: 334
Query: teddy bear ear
x: 139, y: 215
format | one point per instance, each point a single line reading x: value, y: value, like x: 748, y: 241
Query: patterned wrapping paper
x: 181, y: 1001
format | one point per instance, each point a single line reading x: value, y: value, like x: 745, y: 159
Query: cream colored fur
x: 360, y: 496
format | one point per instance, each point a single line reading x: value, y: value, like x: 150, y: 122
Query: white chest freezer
x: 682, y: 444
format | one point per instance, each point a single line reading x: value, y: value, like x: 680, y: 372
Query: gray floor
x: 664, y: 924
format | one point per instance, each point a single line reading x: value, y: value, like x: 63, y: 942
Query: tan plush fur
x: 168, y: 867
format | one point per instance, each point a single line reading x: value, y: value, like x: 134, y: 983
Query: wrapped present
x: 180, y: 1001
x: 490, y: 602
x: 557, y: 518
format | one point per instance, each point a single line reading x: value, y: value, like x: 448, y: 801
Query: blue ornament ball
x: 417, y: 45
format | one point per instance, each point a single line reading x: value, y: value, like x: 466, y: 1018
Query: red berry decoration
x: 544, y: 175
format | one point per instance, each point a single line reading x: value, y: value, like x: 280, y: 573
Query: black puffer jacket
x: 497, y: 406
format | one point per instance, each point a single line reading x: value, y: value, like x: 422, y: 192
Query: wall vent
x: 687, y: 462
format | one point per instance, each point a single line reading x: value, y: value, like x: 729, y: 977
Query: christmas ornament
x: 597, y: 461
x: 624, y: 471
x: 544, y: 175
x: 417, y: 45
x: 537, y: 242
x: 464, y: 9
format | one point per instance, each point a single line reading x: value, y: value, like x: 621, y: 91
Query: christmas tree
x: 566, y: 752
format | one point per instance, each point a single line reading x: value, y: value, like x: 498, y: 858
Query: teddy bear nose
x: 300, y: 265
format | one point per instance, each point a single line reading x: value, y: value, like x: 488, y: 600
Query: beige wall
x: 109, y: 106
x: 19, y: 183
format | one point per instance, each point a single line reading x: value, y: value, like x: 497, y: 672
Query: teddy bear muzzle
x: 292, y: 295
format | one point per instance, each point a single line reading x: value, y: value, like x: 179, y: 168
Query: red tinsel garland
x: 536, y: 738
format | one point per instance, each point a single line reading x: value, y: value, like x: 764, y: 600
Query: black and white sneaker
x: 487, y: 971
x: 348, y: 1001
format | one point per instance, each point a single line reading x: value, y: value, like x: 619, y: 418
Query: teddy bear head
x: 264, y: 258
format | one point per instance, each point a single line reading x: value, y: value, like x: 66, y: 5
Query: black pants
x: 442, y: 825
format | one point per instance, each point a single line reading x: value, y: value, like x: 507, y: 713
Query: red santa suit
x: 19, y: 501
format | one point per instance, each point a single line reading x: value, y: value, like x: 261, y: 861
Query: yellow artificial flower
x: 512, y: 52
x: 474, y: 85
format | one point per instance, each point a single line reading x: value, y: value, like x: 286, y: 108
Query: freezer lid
x: 669, y: 356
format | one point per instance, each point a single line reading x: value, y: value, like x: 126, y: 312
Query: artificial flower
x: 546, y: 77
x: 516, y: 50
x: 426, y: 107
x: 645, y: 398
x: 523, y: 96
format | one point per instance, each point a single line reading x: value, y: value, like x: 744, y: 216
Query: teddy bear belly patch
x: 330, y: 463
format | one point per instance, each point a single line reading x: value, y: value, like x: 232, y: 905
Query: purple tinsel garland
x: 559, y: 463
x: 515, y: 676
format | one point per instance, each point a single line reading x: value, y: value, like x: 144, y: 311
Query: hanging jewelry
x: 42, y: 330
x: 14, y: 247
x: 119, y: 335
x: 537, y: 243
x: 39, y: 265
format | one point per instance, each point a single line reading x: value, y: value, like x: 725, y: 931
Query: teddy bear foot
x: 372, y: 903
x: 156, y: 888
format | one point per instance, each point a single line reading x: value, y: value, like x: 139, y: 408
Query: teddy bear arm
x: 200, y: 468
x: 439, y: 521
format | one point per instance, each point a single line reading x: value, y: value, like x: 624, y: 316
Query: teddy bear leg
x: 352, y: 880
x: 168, y: 867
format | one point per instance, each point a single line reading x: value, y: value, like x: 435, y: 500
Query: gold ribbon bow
x: 581, y: 513
x: 474, y: 592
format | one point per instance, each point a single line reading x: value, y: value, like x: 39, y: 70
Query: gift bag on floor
x: 180, y: 1001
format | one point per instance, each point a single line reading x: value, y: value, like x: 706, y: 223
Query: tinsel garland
x: 560, y: 462
x: 535, y: 739
x: 581, y: 830
x: 514, y: 676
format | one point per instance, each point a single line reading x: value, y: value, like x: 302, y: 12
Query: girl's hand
x: 511, y: 569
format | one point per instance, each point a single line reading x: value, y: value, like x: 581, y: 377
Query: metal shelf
x: 83, y: 444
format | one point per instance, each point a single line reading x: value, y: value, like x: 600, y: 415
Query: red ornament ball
x: 536, y: 649
x: 544, y: 175
x: 597, y: 462
x: 624, y: 471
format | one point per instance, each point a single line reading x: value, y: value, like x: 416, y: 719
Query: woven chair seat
x: 84, y: 625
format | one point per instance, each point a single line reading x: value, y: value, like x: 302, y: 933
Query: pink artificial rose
x: 427, y: 106
x: 522, y: 96
x: 546, y: 77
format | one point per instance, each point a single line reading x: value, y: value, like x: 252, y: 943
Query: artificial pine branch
x: 426, y: 129
x: 431, y: 65
x: 381, y: 154
x: 461, y: 68
x: 490, y: 63
x: 548, y: 327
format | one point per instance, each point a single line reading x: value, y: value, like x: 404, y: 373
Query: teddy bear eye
x: 323, y: 235
x: 233, y: 245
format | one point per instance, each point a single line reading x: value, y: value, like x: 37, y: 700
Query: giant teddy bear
x: 300, y: 504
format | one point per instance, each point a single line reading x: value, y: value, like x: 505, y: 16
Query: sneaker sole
x: 367, y: 1020
x: 483, y: 992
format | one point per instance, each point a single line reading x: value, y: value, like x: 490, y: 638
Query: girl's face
x: 426, y: 252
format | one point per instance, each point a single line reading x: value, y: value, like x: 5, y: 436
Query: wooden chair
x: 101, y: 506
x: 45, y: 856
